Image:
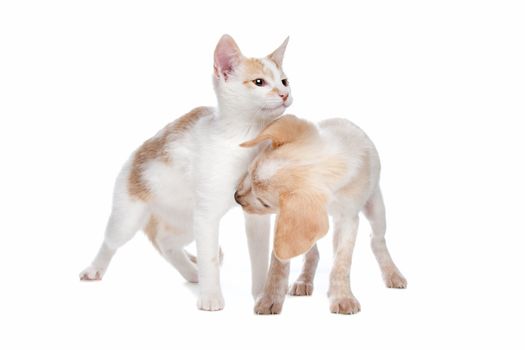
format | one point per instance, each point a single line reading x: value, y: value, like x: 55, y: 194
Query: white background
x: 439, y: 86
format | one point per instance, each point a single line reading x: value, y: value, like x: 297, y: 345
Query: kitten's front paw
x: 345, y: 305
x: 211, y: 302
x: 301, y: 288
x: 395, y: 280
x: 269, y: 304
x: 92, y: 273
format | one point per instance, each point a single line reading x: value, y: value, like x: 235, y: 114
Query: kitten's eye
x: 259, y: 82
x: 285, y: 82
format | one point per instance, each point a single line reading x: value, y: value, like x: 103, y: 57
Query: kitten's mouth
x: 282, y: 105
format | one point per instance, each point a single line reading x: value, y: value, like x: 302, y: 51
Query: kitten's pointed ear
x: 285, y: 129
x: 227, y: 57
x: 278, y: 55
x: 302, y: 220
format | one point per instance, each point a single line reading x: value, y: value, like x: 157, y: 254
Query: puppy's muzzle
x: 238, y: 199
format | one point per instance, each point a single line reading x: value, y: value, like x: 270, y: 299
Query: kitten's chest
x: 225, y: 158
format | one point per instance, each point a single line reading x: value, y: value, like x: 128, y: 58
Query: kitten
x: 179, y: 184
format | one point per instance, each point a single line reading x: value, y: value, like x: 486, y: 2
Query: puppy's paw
x: 345, y: 305
x: 211, y: 302
x: 395, y: 280
x: 91, y: 273
x: 300, y: 288
x: 269, y: 305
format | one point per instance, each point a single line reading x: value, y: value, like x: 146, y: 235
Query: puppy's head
x: 281, y: 180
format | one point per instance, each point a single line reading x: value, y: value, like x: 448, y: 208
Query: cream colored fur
x: 305, y: 173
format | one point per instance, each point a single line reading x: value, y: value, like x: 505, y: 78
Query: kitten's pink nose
x: 283, y: 95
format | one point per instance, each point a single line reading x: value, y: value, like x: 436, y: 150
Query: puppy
x: 305, y: 173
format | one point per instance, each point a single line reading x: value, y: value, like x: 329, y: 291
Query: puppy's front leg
x: 272, y: 299
x: 258, y: 236
x: 342, y: 301
x: 304, y: 285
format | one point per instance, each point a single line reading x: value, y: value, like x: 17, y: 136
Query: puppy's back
x: 347, y: 135
x: 355, y: 146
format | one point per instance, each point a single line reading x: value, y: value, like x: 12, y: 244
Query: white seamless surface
x: 438, y: 86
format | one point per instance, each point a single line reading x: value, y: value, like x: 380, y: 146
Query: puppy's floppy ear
x: 285, y: 129
x: 260, y: 138
x: 302, y: 220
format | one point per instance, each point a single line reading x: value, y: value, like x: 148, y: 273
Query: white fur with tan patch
x: 185, y: 176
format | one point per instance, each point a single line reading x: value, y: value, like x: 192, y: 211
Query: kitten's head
x: 252, y: 86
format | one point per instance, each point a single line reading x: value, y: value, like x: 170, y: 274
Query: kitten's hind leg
x: 179, y: 259
x: 170, y: 243
x: 193, y: 258
x: 127, y: 217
